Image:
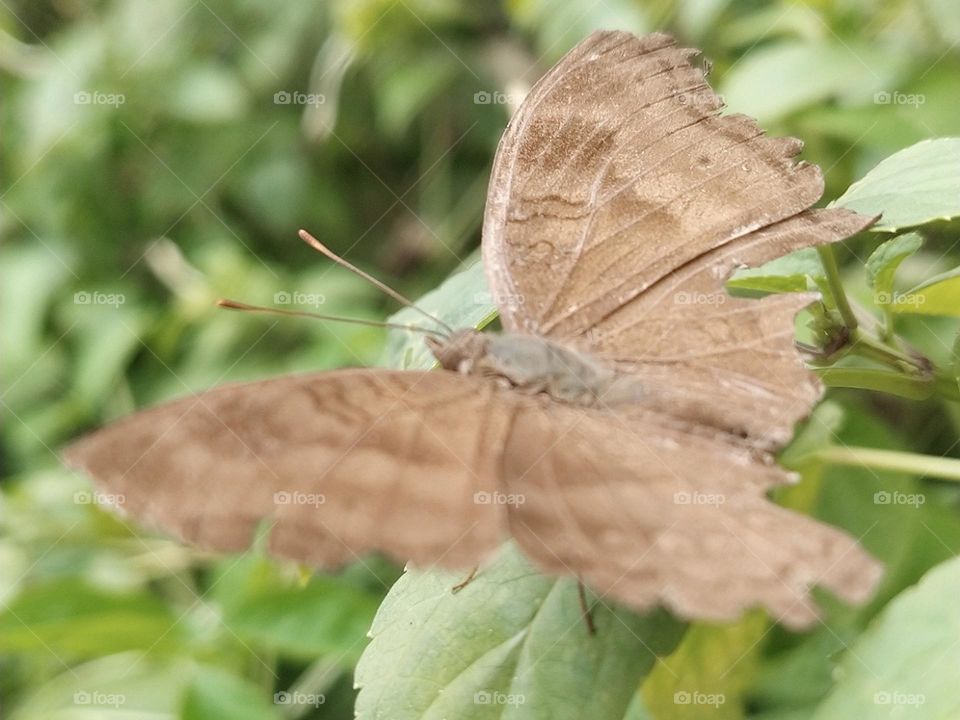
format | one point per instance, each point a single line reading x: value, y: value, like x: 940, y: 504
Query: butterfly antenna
x: 320, y: 247
x: 235, y: 305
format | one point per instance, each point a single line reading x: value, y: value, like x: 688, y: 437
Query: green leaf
x: 512, y: 644
x: 777, y: 79
x: 128, y: 685
x: 940, y: 295
x: 955, y: 359
x: 800, y: 271
x: 905, y: 664
x: 461, y: 301
x: 918, y: 185
x: 71, y: 619
x: 818, y: 431
x: 707, y: 675
x: 325, y: 616
x: 884, y: 261
x: 215, y: 694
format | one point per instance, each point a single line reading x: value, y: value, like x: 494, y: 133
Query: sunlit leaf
x: 884, y: 261
x: 776, y: 79
x: 70, y: 619
x: 905, y: 665
x: 707, y: 675
x: 512, y: 644
x: 325, y: 616
x: 917, y: 185
x: 215, y: 694
x: 797, y: 272
x: 939, y: 295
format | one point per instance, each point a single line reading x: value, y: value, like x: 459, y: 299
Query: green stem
x: 887, y: 334
x: 887, y: 381
x: 913, y: 463
x: 832, y: 270
x: 871, y: 348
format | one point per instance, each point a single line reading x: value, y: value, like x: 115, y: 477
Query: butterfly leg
x: 466, y: 581
x: 585, y: 609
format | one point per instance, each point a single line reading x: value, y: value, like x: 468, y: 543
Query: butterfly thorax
x: 535, y: 365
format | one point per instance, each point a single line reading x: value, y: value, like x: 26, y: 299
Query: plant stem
x: 832, y: 270
x: 887, y: 381
x: 914, y: 463
x: 873, y: 349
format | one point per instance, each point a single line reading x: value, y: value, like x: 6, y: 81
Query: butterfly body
x: 535, y: 365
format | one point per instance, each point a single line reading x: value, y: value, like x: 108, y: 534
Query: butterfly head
x: 460, y: 351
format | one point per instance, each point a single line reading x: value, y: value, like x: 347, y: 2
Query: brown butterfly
x: 621, y: 429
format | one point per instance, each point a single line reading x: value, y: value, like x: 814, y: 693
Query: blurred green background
x: 159, y: 154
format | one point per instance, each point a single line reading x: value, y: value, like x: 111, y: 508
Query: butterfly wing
x: 336, y: 464
x: 621, y: 201
x: 648, y: 511
x: 725, y: 361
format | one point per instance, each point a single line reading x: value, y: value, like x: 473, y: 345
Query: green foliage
x: 905, y: 663
x: 122, y: 220
x: 511, y: 644
x: 912, y: 187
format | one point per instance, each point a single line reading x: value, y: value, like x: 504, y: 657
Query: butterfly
x: 622, y: 427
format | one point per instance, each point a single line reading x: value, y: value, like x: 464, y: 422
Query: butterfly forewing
x: 336, y: 464
x: 621, y: 201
